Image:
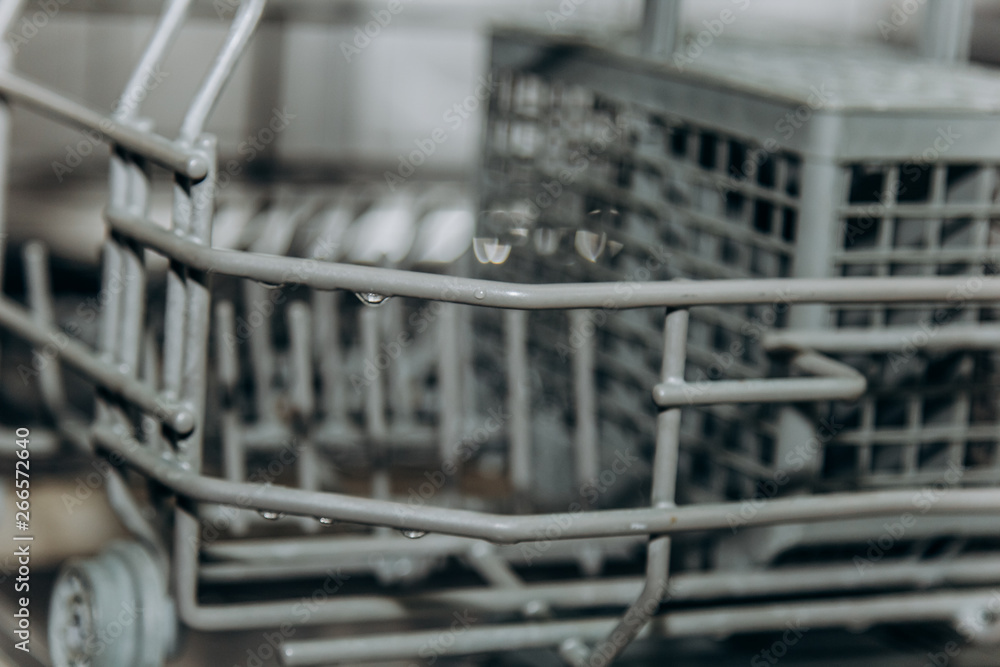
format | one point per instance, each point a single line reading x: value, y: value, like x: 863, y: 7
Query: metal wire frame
x: 180, y: 407
x: 655, y: 521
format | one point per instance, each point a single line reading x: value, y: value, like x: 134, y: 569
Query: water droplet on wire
x: 371, y: 298
x: 413, y: 534
x: 325, y: 520
x: 270, y: 516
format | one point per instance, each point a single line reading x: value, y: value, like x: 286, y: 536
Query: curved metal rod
x: 56, y: 344
x: 128, y: 511
x: 837, y: 381
x: 244, y: 23
x: 606, y: 592
x: 164, y: 34
x: 321, y: 275
x: 930, y: 338
x: 158, y: 149
x: 855, y: 613
x: 528, y: 528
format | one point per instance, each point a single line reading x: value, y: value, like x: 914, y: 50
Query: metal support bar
x: 510, y: 529
x: 931, y: 338
x: 688, y: 586
x: 621, y: 591
x: 159, y: 150
x: 488, y: 293
x: 164, y: 34
x: 19, y: 321
x: 36, y: 264
x: 852, y: 613
x: 494, y: 568
x: 449, y: 370
x: 947, y: 30
x: 244, y: 23
x: 587, y: 453
x: 841, y: 383
x: 197, y: 203
x: 515, y: 324
x: 668, y: 428
x: 661, y: 27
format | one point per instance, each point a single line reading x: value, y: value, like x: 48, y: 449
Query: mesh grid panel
x: 665, y: 198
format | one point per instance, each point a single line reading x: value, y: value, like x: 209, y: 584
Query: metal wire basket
x: 396, y: 410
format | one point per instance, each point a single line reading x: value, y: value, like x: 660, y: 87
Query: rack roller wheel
x: 112, y: 610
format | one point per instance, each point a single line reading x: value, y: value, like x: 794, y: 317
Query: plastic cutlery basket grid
x: 709, y: 333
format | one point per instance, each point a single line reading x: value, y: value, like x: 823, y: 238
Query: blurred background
x: 360, y: 104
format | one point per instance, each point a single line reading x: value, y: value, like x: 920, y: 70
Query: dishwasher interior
x: 699, y: 364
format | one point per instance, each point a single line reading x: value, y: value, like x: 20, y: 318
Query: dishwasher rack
x: 166, y: 420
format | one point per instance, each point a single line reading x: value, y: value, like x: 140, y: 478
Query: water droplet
x: 371, y: 298
x: 270, y: 516
x: 480, y: 294
x: 535, y: 609
x: 590, y: 245
x: 519, y: 236
x: 547, y: 240
x: 413, y: 534
x: 325, y: 520
x: 270, y: 285
x: 490, y: 251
